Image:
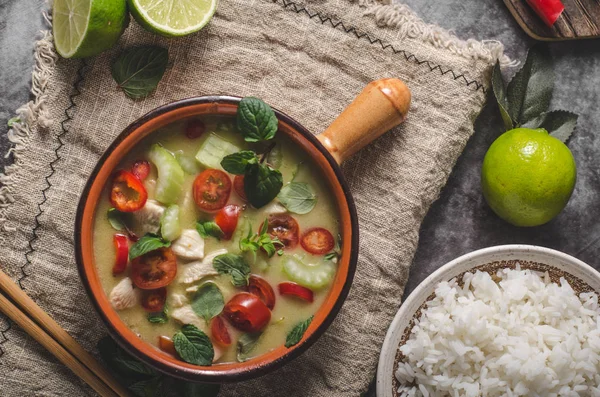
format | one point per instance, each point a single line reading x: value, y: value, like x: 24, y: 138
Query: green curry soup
x: 206, y: 260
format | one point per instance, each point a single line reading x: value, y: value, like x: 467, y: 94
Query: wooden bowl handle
x: 380, y: 106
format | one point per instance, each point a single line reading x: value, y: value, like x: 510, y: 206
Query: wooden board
x: 580, y: 20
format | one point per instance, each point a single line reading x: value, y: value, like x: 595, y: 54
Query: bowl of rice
x: 512, y: 320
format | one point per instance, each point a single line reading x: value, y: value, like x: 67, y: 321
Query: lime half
x: 173, y: 17
x: 84, y: 28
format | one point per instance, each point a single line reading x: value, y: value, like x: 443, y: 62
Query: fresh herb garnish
x: 193, y: 346
x: 255, y: 241
x: 237, y: 163
x: 139, y: 69
x: 161, y: 317
x: 245, y: 344
x: 209, y: 229
x: 525, y: 102
x: 121, y: 362
x: 337, y: 250
x: 256, y: 120
x: 262, y: 184
x: 208, y: 301
x: 298, y: 197
x: 147, y: 243
x: 115, y: 218
x: 235, y: 266
x: 331, y: 256
x: 297, y: 332
x: 147, y: 387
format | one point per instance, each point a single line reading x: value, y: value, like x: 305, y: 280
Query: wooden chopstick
x: 55, y: 339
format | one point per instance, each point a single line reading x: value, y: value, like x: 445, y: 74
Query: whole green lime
x: 528, y: 176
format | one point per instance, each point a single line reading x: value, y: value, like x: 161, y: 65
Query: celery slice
x: 309, y: 275
x: 169, y: 184
x: 212, y: 151
x: 170, y: 226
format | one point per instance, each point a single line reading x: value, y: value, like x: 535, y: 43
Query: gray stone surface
x: 460, y: 221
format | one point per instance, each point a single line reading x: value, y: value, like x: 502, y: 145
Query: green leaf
x: 500, y: 94
x: 209, y: 229
x: 115, y: 218
x: 237, y: 163
x: 13, y: 121
x: 139, y: 69
x: 193, y: 346
x: 331, y: 256
x: 235, y: 266
x: 256, y: 120
x: 297, y: 332
x: 121, y: 362
x: 559, y: 123
x: 298, y: 197
x: 530, y: 91
x: 159, y: 317
x: 246, y: 344
x: 147, y: 243
x: 262, y: 184
x: 147, y: 388
x: 208, y: 301
x: 189, y: 389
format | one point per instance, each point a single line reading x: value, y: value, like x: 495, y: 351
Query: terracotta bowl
x: 346, y: 135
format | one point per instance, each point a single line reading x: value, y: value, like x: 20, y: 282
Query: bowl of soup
x: 217, y: 237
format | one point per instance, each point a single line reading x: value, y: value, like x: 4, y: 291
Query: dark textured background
x: 460, y: 221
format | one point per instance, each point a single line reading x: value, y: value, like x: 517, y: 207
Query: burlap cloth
x: 308, y: 60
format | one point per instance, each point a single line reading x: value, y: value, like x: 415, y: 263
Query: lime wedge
x: 84, y: 28
x: 172, y: 17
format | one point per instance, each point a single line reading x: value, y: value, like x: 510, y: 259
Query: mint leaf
x: 235, y: 266
x: 147, y: 243
x: 262, y: 184
x: 237, y: 163
x: 120, y: 361
x: 530, y: 91
x: 193, y: 346
x: 559, y: 123
x: 256, y: 120
x: 159, y: 317
x: 297, y: 332
x: 298, y: 197
x: 115, y: 218
x: 500, y: 95
x: 246, y: 344
x: 139, y: 69
x: 208, y: 301
x: 147, y: 388
x: 189, y: 389
x: 209, y: 229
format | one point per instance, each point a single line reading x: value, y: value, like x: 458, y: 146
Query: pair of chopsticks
x: 41, y: 327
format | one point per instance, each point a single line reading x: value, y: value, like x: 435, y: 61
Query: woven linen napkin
x: 308, y: 59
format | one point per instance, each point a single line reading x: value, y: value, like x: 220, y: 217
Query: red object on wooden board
x: 548, y: 10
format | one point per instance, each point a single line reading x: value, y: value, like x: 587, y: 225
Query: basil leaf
x: 262, y: 184
x: 208, y: 301
x: 147, y: 388
x: 209, y: 229
x: 159, y: 317
x: 298, y: 197
x: 193, y: 346
x: 120, y: 361
x: 139, y: 69
x: 297, y: 332
x: 189, y: 389
x: 245, y: 344
x: 331, y: 256
x: 559, y: 123
x: 500, y: 95
x: 235, y: 266
x: 237, y: 163
x: 256, y: 120
x: 147, y: 243
x: 530, y: 91
x: 115, y: 218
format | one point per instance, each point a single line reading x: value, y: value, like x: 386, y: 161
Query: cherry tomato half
x: 293, y: 289
x: 238, y: 186
x: 285, y: 228
x: 141, y: 169
x: 219, y: 331
x: 247, y: 312
x: 260, y: 287
x: 154, y: 300
x: 211, y: 190
x: 122, y: 253
x: 194, y: 128
x: 127, y: 194
x: 317, y: 241
x: 166, y: 344
x: 155, y: 269
x: 227, y: 220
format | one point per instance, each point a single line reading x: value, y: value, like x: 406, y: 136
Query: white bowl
x: 581, y: 276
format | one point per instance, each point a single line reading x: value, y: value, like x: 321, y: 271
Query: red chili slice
x: 166, y: 344
x: 127, y: 194
x: 293, y: 289
x: 194, y: 128
x: 317, y: 241
x: 141, y: 169
x: 247, y: 312
x: 154, y: 270
x: 219, y: 331
x: 548, y: 10
x: 260, y: 287
x: 227, y: 220
x: 238, y: 186
x: 122, y: 253
x: 285, y: 228
x: 211, y: 190
x: 154, y: 300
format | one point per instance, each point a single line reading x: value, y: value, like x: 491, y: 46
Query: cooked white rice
x: 522, y: 336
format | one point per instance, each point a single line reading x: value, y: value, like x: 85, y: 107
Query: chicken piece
x: 197, y: 270
x: 274, y: 208
x: 190, y: 245
x: 177, y: 300
x: 147, y: 220
x: 186, y: 315
x: 124, y: 296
